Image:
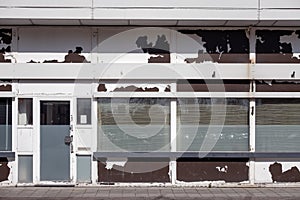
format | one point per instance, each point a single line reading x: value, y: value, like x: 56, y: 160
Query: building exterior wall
x: 194, y: 100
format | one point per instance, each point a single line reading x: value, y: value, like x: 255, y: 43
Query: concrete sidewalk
x: 155, y: 193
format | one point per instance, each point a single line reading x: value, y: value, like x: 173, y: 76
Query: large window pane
x: 136, y: 124
x: 212, y: 124
x: 277, y: 125
x: 5, y: 124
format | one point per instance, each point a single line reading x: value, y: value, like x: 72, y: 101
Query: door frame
x: 37, y: 141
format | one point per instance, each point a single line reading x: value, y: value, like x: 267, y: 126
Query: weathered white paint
x: 25, y: 139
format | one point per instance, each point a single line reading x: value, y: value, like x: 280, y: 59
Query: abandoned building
x: 149, y: 92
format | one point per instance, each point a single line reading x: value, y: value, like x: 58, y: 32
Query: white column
x: 94, y: 165
x: 252, y: 137
x: 252, y: 57
x: 14, y: 123
x: 173, y: 123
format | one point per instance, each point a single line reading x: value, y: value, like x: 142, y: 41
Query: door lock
x: 68, y: 140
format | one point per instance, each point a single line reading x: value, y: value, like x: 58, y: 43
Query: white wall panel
x: 177, y: 3
x: 25, y: 139
x: 45, y: 13
x: 46, y: 88
x: 47, y: 3
x: 176, y: 14
x: 83, y: 139
x: 279, y: 4
x: 280, y: 14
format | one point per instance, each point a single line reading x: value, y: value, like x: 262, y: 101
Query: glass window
x: 212, y: 124
x: 5, y: 124
x: 55, y: 112
x: 84, y: 111
x: 135, y: 124
x: 277, y: 125
x: 25, y: 112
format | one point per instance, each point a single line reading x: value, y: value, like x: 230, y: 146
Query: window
x: 5, y: 124
x: 135, y: 124
x: 25, y: 112
x: 84, y: 111
x: 277, y: 125
x: 212, y: 124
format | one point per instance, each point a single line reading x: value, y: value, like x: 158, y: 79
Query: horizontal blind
x: 277, y: 125
x: 136, y: 124
x: 216, y: 124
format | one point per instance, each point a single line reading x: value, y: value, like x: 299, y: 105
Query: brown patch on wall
x: 4, y: 169
x: 168, y: 89
x: 5, y: 88
x: 133, y: 88
x: 291, y: 175
x: 214, y: 86
x: 277, y: 87
x: 101, y: 88
x: 228, y: 170
x: 125, y: 174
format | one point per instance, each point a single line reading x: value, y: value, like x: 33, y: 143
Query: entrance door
x: 55, y: 140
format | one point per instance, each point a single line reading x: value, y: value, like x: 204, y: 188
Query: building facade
x: 169, y: 93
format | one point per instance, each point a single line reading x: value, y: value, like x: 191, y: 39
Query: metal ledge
x: 7, y: 154
x: 175, y: 155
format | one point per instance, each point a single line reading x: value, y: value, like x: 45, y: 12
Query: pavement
x: 154, y: 193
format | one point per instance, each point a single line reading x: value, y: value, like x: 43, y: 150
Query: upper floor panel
x: 156, y: 12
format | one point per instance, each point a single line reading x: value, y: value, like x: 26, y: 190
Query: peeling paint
x: 223, y: 46
x: 214, y: 86
x: 277, y: 86
x: 212, y: 170
x: 160, y: 51
x: 4, y: 169
x: 277, y: 46
x: 101, y: 88
x: 71, y: 57
x: 110, y: 162
x: 132, y: 88
x: 5, y: 43
x: 291, y: 175
x: 135, y: 171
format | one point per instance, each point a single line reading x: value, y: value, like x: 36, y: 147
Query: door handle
x: 68, y: 139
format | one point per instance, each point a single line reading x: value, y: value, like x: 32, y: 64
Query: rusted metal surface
x: 134, y: 172
x: 278, y: 175
x: 214, y: 86
x: 228, y: 170
x: 4, y: 169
